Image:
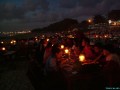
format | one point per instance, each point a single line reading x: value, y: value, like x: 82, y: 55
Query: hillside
x: 63, y: 25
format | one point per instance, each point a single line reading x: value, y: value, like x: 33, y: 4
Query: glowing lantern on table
x: 81, y: 57
x: 14, y: 41
x: 66, y: 51
x: 47, y: 39
x: 36, y: 39
x: 62, y: 46
x: 11, y: 42
x: 3, y: 48
x: 2, y: 42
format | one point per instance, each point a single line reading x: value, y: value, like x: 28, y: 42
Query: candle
x: 62, y: 46
x: 11, y: 42
x: 66, y: 51
x: 81, y: 58
x: 3, y: 48
x: 47, y: 39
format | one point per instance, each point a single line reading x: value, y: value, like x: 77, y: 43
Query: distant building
x: 114, y: 15
x: 114, y: 18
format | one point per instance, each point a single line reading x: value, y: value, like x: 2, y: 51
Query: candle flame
x: 66, y: 51
x: 62, y: 46
x: 81, y: 58
x: 48, y: 39
x: 3, y: 48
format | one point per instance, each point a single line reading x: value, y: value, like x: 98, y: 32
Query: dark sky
x: 28, y: 14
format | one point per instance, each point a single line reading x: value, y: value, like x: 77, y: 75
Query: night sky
x: 28, y: 14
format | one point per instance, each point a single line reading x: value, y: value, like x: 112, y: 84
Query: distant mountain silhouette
x: 66, y: 24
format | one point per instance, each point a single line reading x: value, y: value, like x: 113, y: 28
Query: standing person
x: 35, y: 69
x: 47, y: 52
x: 111, y: 69
x: 40, y: 51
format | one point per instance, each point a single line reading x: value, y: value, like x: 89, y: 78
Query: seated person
x: 52, y: 61
x: 98, y: 53
x: 53, y: 73
x: 111, y: 69
x: 87, y: 50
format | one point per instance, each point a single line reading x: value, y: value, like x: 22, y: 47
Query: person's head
x: 49, y: 45
x: 43, y: 42
x: 85, y: 41
x: 56, y: 52
x: 108, y: 49
x: 98, y: 47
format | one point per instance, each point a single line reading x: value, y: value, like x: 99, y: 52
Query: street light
x: 109, y: 21
x: 89, y: 20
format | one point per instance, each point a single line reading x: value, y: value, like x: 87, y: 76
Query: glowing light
x: 89, y: 21
x: 2, y: 42
x: 36, y: 39
x: 62, y: 46
x: 109, y: 21
x: 81, y: 57
x: 105, y: 36
x: 66, y: 51
x: 14, y: 41
x: 11, y: 42
x: 114, y: 23
x: 47, y: 39
x: 43, y: 35
x: 3, y: 49
x: 96, y: 36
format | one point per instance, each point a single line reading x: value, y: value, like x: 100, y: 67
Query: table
x: 77, y: 74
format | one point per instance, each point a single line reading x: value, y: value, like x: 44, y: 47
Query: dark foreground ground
x: 13, y: 75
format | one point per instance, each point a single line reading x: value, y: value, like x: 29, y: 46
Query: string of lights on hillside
x: 13, y: 33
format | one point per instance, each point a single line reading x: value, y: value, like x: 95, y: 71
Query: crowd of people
x: 46, y: 59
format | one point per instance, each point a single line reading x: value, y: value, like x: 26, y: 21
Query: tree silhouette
x: 99, y: 19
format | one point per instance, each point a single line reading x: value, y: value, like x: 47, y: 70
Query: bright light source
x: 66, y: 51
x: 14, y: 41
x: 47, y: 39
x: 114, y: 23
x: 81, y: 57
x: 89, y: 20
x: 62, y: 46
x: 109, y: 21
x: 11, y: 42
x: 3, y: 49
x: 36, y: 39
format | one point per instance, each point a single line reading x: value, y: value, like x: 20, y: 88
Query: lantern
x: 62, y: 46
x: 3, y: 49
x: 66, y: 51
x: 47, y: 39
x: 81, y: 57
